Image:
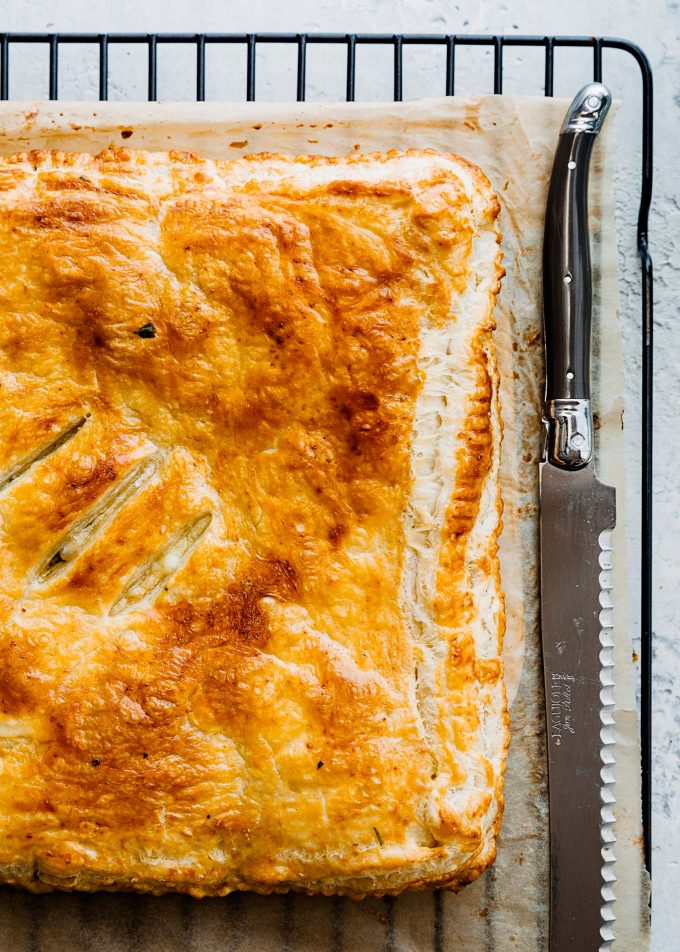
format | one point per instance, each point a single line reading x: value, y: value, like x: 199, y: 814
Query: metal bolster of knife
x: 569, y: 435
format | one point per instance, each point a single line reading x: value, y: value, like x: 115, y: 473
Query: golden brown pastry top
x: 210, y: 374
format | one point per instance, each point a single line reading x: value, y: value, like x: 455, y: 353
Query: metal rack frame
x: 350, y: 42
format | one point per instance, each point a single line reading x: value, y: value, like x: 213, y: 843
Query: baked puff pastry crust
x: 249, y: 585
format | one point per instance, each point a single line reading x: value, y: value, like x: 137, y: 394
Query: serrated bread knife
x: 575, y: 510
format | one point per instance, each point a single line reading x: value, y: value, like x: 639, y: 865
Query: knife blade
x: 575, y: 510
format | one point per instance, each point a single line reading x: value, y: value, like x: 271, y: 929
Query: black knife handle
x: 567, y: 287
x: 567, y: 297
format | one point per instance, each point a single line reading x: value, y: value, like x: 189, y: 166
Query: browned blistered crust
x: 250, y: 723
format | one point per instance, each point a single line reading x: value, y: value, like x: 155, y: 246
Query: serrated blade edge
x: 607, y: 737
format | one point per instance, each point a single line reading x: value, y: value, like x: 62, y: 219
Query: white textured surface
x: 656, y: 27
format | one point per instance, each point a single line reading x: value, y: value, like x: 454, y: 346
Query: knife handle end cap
x: 588, y: 110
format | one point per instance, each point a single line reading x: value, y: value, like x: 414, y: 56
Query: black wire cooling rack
x: 349, y: 43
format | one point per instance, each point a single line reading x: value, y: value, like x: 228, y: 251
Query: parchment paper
x: 513, y: 140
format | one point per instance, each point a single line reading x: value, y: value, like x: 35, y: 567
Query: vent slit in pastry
x: 150, y: 576
x: 41, y: 453
x: 83, y: 531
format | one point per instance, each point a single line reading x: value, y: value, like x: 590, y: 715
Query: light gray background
x: 655, y: 26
